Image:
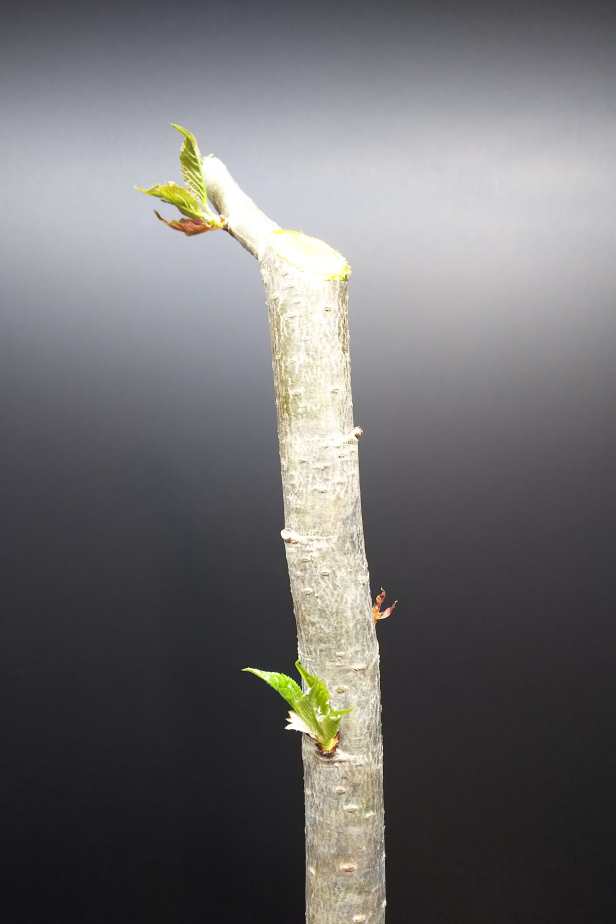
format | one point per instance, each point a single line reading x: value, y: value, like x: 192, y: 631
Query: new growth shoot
x: 192, y: 201
x: 312, y: 713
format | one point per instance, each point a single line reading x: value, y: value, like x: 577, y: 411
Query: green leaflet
x: 329, y: 723
x: 178, y: 196
x: 317, y: 691
x: 190, y: 165
x: 313, y: 706
x: 306, y: 711
x: 284, y: 685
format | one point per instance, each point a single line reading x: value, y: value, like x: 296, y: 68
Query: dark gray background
x: 461, y: 157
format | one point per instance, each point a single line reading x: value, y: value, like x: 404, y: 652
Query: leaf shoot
x: 311, y: 711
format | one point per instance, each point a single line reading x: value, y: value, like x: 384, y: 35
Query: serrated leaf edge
x: 190, y: 151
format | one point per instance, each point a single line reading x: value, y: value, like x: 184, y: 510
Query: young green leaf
x: 284, y: 685
x: 317, y: 693
x: 319, y: 696
x: 178, y: 196
x: 306, y: 712
x: 190, y: 165
x: 330, y: 723
x: 309, y: 678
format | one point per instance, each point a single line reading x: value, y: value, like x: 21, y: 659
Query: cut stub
x: 376, y: 609
x: 309, y: 254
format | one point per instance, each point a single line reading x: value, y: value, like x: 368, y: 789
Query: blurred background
x: 461, y: 157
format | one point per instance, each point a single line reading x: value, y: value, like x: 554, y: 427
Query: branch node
x: 292, y: 538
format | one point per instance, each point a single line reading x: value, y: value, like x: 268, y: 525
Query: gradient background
x: 462, y: 158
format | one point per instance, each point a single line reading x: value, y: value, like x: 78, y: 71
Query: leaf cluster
x: 191, y: 202
x: 312, y: 712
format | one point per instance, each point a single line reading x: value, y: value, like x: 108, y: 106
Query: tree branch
x: 306, y: 289
x: 243, y: 220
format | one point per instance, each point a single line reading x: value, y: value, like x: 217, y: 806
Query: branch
x: 243, y: 220
x: 306, y: 293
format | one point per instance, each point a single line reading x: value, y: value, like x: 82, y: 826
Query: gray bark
x: 324, y: 543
